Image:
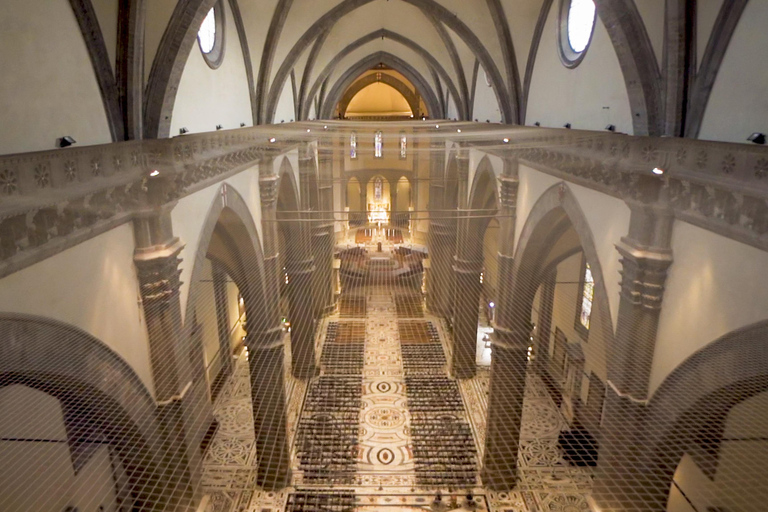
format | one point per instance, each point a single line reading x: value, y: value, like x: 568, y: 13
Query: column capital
x: 644, y: 272
x: 268, y: 191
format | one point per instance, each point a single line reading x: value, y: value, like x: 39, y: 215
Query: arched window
x: 210, y: 36
x: 586, y: 297
x: 577, y: 23
x: 353, y: 145
x: 378, y: 144
x: 403, y: 145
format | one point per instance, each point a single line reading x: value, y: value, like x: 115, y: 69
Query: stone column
x: 222, y: 318
x: 441, y: 238
x: 300, y: 266
x: 364, y: 202
x: 183, y: 410
x: 509, y: 356
x: 323, y: 239
x: 393, y: 204
x: 467, y: 266
x: 266, y: 352
x: 627, y: 477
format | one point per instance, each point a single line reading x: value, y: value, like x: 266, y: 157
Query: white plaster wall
x: 738, y: 105
x: 191, y: 213
x: 706, y: 14
x: 606, y: 216
x: 39, y: 475
x: 652, y: 13
x: 205, y: 310
x: 712, y: 278
x: 522, y: 16
x: 98, y: 293
x: 486, y: 108
x: 48, y: 88
x: 285, y: 112
x: 156, y: 20
x: 209, y: 97
x: 106, y: 12
x: 560, y: 95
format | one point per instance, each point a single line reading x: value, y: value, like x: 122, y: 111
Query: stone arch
x: 434, y: 64
x: 230, y: 239
x: 101, y: 396
x: 344, y: 82
x: 411, y: 97
x: 687, y: 414
x: 431, y: 9
x: 555, y: 211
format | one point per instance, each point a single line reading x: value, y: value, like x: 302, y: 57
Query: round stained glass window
x: 577, y: 22
x: 210, y: 36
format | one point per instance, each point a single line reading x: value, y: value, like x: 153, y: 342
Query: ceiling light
x: 757, y: 138
x: 657, y: 171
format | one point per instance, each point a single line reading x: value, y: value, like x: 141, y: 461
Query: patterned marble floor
x: 385, y: 471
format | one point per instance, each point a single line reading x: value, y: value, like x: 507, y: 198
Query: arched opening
x: 539, y: 348
x: 356, y: 200
x: 378, y: 205
x: 78, y: 427
x: 402, y: 204
x: 381, y: 94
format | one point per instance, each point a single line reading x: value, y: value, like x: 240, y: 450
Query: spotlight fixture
x: 309, y: 130
x: 505, y: 140
x: 65, y: 141
x: 182, y: 131
x: 437, y: 126
x: 458, y: 131
x: 491, y: 304
x: 219, y: 127
x: 242, y: 125
x: 567, y: 126
x: 155, y: 173
x: 325, y: 127
x: 657, y: 171
x: 611, y: 128
x: 537, y: 123
x: 272, y: 140
x: 757, y: 138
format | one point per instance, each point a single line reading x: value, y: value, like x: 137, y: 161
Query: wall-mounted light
x: 65, y: 141
x: 325, y: 127
x: 242, y: 125
x: 219, y: 127
x: 437, y: 126
x: 657, y: 171
x: 272, y: 140
x: 537, y: 123
x: 182, y: 131
x: 491, y: 304
x: 567, y: 126
x: 458, y: 131
x: 309, y: 130
x: 611, y: 128
x: 155, y: 173
x: 505, y: 140
x: 757, y: 138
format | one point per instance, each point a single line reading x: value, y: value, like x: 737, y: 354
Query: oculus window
x: 575, y: 28
x: 210, y: 36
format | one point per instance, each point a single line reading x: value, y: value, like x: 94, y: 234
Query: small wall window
x: 210, y: 36
x: 574, y: 30
x: 403, y: 146
x: 353, y: 146
x: 587, y: 295
x: 378, y: 145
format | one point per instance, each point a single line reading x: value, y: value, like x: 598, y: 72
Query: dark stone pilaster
x: 182, y: 407
x: 441, y: 238
x: 222, y: 319
x: 509, y: 357
x: 505, y: 408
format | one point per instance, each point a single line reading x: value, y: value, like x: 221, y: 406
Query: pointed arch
x: 344, y: 82
x: 99, y: 393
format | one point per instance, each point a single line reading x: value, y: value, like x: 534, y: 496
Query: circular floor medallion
x: 384, y: 418
x: 385, y: 456
x: 383, y: 387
